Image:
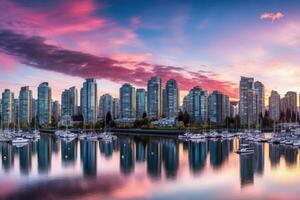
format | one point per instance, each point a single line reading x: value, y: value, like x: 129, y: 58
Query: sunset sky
x: 205, y: 43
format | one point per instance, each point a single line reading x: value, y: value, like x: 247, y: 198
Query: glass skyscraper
x: 25, y: 106
x: 198, y: 105
x: 105, y: 105
x: 88, y: 101
x: 69, y: 102
x: 44, y: 104
x: 172, y: 98
x: 154, y: 89
x: 127, y: 101
x: 7, y: 107
x: 141, y: 102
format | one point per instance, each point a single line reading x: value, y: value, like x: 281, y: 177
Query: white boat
x: 186, y: 135
x: 244, y: 151
x: 20, y: 140
x: 197, y: 136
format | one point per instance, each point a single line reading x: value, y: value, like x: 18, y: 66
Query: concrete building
x: 198, y: 105
x: 7, y: 108
x: 44, y: 104
x: 219, y: 107
x: 25, y: 106
x: 141, y: 102
x: 260, y: 95
x: 274, y: 106
x: 155, y: 104
x: 69, y: 102
x: 56, y: 112
x: 172, y: 99
x: 247, y: 105
x: 116, y: 108
x: 105, y: 106
x: 88, y: 101
x: 127, y: 101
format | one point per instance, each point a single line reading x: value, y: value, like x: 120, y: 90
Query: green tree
x: 180, y: 116
x: 186, y: 118
x: 108, y: 118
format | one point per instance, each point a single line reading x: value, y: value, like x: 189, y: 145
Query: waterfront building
x: 198, y: 105
x: 69, y: 102
x: 172, y: 98
x: 155, y: 106
x: 288, y: 106
x: 7, y: 107
x: 56, y: 112
x: 105, y: 106
x: 116, y: 108
x: 274, y: 106
x: 260, y: 95
x: 44, y: 104
x: 186, y: 104
x: 219, y: 107
x: 25, y: 106
x: 247, y: 104
x: 127, y: 101
x: 34, y: 108
x: 141, y: 102
x: 88, y: 100
x: 164, y: 103
x: 16, y: 113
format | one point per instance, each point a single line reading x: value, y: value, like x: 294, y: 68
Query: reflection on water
x: 147, y: 162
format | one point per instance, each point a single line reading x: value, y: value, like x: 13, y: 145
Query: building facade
x: 56, y: 112
x: 25, y: 106
x: 127, y: 101
x: 219, y: 107
x: 141, y: 102
x: 274, y: 106
x: 247, y: 104
x: 44, y: 104
x: 198, y: 105
x: 172, y: 99
x: 116, y: 108
x: 69, y: 102
x: 105, y: 106
x: 88, y: 101
x: 155, y: 104
x: 7, y: 108
x: 260, y: 98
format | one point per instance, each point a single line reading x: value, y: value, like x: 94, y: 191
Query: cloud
x: 271, y: 16
x: 34, y: 52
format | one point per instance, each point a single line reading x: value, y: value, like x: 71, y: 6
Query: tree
x: 144, y: 115
x: 180, y: 116
x: 108, y: 118
x: 186, y: 118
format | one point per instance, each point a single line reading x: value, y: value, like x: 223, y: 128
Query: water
x: 147, y: 168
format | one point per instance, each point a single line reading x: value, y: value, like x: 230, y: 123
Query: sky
x: 199, y: 43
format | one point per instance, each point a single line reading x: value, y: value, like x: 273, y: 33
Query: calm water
x: 147, y: 168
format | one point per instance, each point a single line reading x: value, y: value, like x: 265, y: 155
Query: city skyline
x: 186, y: 45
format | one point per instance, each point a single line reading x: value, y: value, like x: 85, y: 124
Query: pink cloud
x: 271, y: 16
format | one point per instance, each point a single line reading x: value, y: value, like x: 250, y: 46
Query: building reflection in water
x: 126, y: 156
x: 170, y: 158
x: 106, y: 148
x: 140, y: 151
x: 259, y: 158
x: 290, y: 155
x: 197, y: 156
x: 274, y: 154
x: 88, y: 154
x: 25, y: 159
x: 154, y: 159
x: 44, y: 154
x: 55, y: 144
x: 68, y: 152
x: 7, y: 156
x: 246, y: 169
x: 219, y: 151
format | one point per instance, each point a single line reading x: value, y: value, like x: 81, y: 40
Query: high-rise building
x: 274, y: 106
x: 247, y: 105
x: 198, y: 105
x: 116, y: 108
x: 44, y: 104
x: 155, y: 106
x: 25, y: 106
x: 234, y: 108
x: 288, y: 106
x: 219, y: 107
x: 186, y: 104
x: 105, y: 106
x: 34, y: 108
x: 141, y: 102
x: 88, y: 100
x: 16, y: 113
x: 69, y: 102
x: 127, y: 101
x: 7, y: 107
x: 260, y: 95
x: 172, y: 98
x: 56, y: 112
